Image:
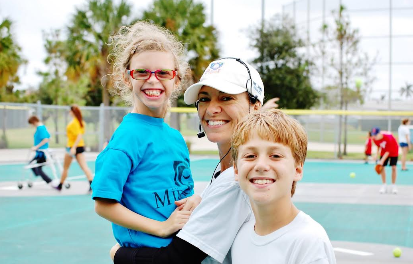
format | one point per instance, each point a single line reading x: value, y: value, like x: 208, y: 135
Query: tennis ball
x: 352, y: 175
x: 397, y: 252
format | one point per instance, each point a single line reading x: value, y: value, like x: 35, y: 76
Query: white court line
x: 76, y: 177
x: 354, y: 252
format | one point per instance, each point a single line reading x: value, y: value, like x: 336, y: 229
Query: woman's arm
x: 120, y: 215
x: 178, y: 251
x: 73, y: 148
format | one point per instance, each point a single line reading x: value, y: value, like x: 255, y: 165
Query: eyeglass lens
x: 143, y: 74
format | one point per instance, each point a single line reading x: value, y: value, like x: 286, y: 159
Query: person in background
x: 75, y: 146
x: 404, y: 141
x: 388, y: 150
x: 41, y: 142
x: 367, y: 149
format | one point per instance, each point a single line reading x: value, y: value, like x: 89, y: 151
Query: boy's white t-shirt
x: 301, y: 241
x: 402, y: 132
x: 214, y: 224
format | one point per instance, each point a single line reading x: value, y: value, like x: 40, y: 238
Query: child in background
x: 269, y: 149
x: 404, y: 140
x: 389, y: 153
x: 75, y: 147
x: 367, y: 149
x: 145, y: 167
x: 41, y: 142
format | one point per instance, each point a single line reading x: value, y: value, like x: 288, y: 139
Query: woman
x: 404, y: 141
x: 75, y: 146
x: 228, y: 90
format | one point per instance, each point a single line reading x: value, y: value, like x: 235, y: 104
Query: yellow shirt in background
x: 72, y: 130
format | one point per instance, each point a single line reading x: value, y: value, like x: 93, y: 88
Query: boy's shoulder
x: 308, y: 229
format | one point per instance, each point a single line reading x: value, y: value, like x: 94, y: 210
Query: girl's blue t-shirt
x: 145, y: 167
x: 40, y: 134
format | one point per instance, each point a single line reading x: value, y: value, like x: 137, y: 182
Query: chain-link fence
x: 101, y: 122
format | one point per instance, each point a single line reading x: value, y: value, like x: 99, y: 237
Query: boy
x: 268, y: 150
x: 41, y: 143
x: 389, y: 151
x: 367, y: 149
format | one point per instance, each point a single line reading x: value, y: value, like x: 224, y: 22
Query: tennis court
x: 39, y: 225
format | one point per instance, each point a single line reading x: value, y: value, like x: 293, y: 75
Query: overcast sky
x: 30, y: 18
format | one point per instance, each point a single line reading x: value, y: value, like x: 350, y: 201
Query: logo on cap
x: 216, y: 65
x: 257, y: 88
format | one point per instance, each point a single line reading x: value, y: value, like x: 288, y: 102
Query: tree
x: 10, y: 61
x: 347, y: 67
x: 87, y: 49
x: 186, y: 20
x: 407, y: 90
x: 285, y: 73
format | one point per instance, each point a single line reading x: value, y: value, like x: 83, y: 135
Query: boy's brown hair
x: 33, y: 119
x: 272, y: 125
x: 405, y: 121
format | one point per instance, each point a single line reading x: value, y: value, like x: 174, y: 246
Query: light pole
x: 212, y: 12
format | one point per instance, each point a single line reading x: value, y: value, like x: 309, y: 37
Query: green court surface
x: 314, y: 171
x: 43, y: 230
x: 65, y: 229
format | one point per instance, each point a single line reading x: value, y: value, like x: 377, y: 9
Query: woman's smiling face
x: 220, y: 112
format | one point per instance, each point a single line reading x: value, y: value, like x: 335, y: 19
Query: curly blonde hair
x: 140, y: 37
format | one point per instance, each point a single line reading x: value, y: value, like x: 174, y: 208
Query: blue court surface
x: 39, y: 225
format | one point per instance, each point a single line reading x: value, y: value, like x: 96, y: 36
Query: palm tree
x: 10, y: 60
x: 87, y: 48
x: 186, y: 19
x: 407, y: 90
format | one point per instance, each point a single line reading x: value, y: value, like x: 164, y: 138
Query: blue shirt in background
x: 40, y: 134
x: 145, y: 167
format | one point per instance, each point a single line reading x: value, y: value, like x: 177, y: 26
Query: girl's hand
x: 34, y: 148
x: 73, y: 151
x: 189, y: 203
x: 175, y: 222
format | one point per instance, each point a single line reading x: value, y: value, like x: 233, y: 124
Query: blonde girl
x: 144, y: 171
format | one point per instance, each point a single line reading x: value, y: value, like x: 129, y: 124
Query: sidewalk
x: 22, y: 155
x: 197, y: 144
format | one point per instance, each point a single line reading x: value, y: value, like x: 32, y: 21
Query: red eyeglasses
x: 144, y: 74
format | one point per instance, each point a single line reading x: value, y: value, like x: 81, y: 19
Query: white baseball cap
x: 228, y: 75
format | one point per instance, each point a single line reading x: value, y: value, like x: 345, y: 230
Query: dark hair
x: 33, y: 119
x: 76, y: 111
x: 405, y: 121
